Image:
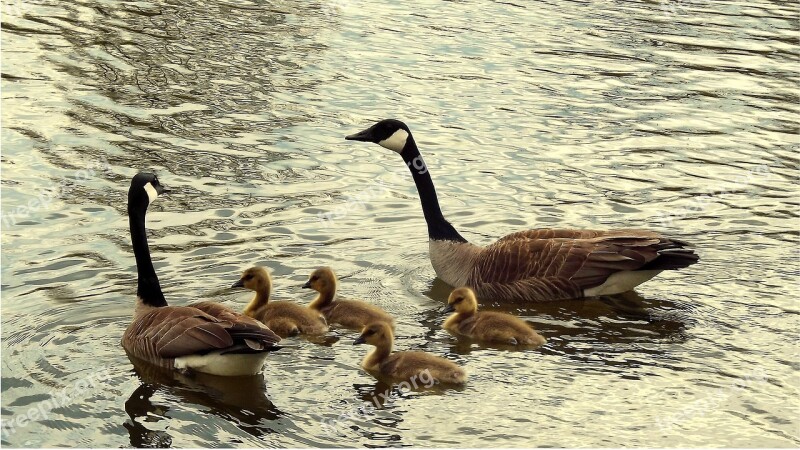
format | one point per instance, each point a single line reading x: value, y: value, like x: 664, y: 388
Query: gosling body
x: 409, y: 365
x: 352, y: 314
x: 487, y: 326
x: 284, y: 318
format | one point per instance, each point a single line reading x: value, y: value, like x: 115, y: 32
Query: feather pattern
x: 554, y: 264
x: 162, y: 334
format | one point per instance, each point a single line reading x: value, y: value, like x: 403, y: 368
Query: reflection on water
x: 242, y: 400
x: 675, y: 116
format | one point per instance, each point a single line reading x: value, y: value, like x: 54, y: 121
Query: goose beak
x: 238, y: 284
x: 307, y: 285
x: 449, y: 309
x: 360, y: 340
x: 365, y: 136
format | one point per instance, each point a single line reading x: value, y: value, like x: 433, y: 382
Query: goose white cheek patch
x: 396, y: 141
x: 152, y: 193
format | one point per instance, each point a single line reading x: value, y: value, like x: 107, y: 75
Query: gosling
x: 493, y: 327
x: 284, y: 318
x: 352, y: 314
x: 405, y: 365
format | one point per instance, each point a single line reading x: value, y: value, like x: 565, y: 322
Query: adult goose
x: 205, y: 337
x: 535, y: 265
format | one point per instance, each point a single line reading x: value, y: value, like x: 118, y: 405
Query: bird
x: 284, y: 318
x: 204, y: 337
x: 352, y: 314
x: 536, y: 265
x: 408, y: 366
x: 486, y: 326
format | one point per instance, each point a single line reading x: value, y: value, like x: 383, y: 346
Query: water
x: 677, y: 116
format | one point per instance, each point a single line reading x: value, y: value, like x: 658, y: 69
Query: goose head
x: 389, y: 133
x: 145, y: 188
x: 378, y: 334
x: 462, y: 301
x: 254, y: 279
x: 321, y: 280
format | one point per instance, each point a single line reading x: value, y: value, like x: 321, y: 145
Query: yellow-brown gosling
x: 351, y: 314
x: 486, y: 326
x: 284, y: 318
x: 405, y: 365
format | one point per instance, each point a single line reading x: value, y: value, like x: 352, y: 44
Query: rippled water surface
x: 680, y: 116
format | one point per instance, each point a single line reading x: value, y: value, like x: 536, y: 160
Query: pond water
x: 679, y: 116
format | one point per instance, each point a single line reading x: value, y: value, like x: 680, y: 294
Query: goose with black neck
x: 534, y: 265
x: 205, y: 337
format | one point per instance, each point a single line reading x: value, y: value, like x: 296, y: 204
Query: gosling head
x: 145, y: 188
x: 254, y: 279
x: 462, y: 301
x: 389, y: 133
x: 321, y: 280
x: 375, y: 334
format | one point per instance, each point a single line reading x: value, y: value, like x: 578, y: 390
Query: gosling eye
x: 458, y: 300
x: 248, y: 277
x: 314, y: 278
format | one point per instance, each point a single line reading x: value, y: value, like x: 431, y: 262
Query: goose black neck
x: 148, y: 288
x: 439, y: 229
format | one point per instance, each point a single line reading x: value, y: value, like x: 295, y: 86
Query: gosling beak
x: 449, y: 309
x: 365, y: 136
x: 238, y: 284
x: 360, y: 340
x: 307, y: 285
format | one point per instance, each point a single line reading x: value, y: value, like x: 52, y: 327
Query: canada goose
x: 535, y: 265
x: 351, y: 314
x: 205, y: 337
x: 405, y: 365
x: 486, y: 326
x: 284, y: 318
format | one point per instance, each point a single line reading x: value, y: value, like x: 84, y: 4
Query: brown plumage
x: 552, y: 264
x: 534, y: 265
x: 486, y: 326
x: 206, y: 337
x: 181, y: 337
x: 408, y: 366
x: 284, y: 318
x: 351, y: 314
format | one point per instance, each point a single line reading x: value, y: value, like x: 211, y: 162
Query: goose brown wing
x: 554, y: 268
x: 175, y: 331
x: 240, y: 326
x: 562, y: 233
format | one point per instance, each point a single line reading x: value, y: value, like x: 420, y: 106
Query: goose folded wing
x: 172, y: 332
x: 563, y: 233
x: 583, y: 263
x: 239, y: 326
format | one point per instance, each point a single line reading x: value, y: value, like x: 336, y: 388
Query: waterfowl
x: 405, y: 365
x: 351, y: 314
x: 534, y: 265
x: 487, y: 326
x: 284, y: 318
x: 205, y: 337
